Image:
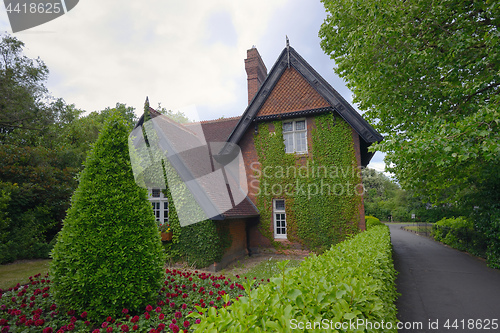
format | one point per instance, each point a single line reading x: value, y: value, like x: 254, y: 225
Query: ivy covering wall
x: 320, y: 188
x: 200, y: 244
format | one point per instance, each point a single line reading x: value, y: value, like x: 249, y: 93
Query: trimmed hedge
x: 372, y: 222
x: 352, y: 281
x: 108, y: 255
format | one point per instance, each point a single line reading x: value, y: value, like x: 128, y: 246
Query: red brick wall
x: 247, y: 145
x: 237, y: 230
x: 238, y: 248
x: 250, y: 159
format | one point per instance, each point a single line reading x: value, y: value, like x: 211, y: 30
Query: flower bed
x: 31, y: 308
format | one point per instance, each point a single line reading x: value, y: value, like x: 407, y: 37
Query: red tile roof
x: 292, y: 93
x: 244, y: 209
x: 220, y: 129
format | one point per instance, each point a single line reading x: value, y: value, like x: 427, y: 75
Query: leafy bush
x: 371, y: 221
x: 200, y: 244
x: 23, y: 235
x: 460, y: 234
x: 353, y: 280
x: 108, y: 255
x: 38, y: 185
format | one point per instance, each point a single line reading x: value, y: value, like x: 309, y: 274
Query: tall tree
x: 428, y: 75
x: 22, y: 90
x: 427, y: 72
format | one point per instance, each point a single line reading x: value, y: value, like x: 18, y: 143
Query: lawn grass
x: 19, y: 272
x: 261, y: 271
x: 424, y: 228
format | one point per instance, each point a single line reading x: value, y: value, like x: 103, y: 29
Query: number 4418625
x: 35, y: 7
x: 472, y: 324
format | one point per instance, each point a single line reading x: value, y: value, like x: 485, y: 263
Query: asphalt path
x: 443, y: 289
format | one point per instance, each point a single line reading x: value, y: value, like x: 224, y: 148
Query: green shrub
x: 449, y: 227
x: 371, y: 221
x: 460, y: 234
x: 108, y: 255
x: 352, y: 281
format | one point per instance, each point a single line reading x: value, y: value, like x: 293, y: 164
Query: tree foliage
x: 44, y: 142
x: 177, y: 116
x: 22, y: 90
x: 428, y: 74
x: 383, y: 198
x: 108, y: 256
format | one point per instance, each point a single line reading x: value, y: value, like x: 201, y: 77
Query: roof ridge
x: 218, y: 120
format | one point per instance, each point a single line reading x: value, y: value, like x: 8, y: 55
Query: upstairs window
x: 160, y: 205
x: 279, y: 219
x: 295, y: 136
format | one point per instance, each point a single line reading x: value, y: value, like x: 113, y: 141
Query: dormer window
x: 295, y: 136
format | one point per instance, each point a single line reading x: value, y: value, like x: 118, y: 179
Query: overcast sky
x: 182, y: 54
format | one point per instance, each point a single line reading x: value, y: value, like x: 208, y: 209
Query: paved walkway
x: 438, y: 283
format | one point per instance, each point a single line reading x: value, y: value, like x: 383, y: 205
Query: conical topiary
x: 108, y: 255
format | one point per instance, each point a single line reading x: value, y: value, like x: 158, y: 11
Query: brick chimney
x: 256, y: 72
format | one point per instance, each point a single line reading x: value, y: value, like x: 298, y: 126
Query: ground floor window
x: 279, y: 218
x: 159, y: 201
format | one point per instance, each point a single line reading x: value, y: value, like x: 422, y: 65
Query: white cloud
x: 178, y: 53
x: 101, y: 53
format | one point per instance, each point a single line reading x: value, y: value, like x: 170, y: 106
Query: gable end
x: 290, y: 58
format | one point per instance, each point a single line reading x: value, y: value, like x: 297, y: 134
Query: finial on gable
x: 146, y: 106
x: 288, y: 50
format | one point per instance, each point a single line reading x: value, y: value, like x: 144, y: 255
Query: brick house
x: 288, y: 100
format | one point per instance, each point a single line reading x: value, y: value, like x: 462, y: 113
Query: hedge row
x: 371, y: 221
x: 352, y: 283
x: 460, y: 234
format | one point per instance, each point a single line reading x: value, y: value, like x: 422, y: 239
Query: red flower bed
x: 31, y: 308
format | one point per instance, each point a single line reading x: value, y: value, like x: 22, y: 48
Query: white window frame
x: 279, y: 217
x: 295, y: 136
x: 162, y: 209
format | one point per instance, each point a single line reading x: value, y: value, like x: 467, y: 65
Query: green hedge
x: 352, y: 281
x: 371, y: 222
